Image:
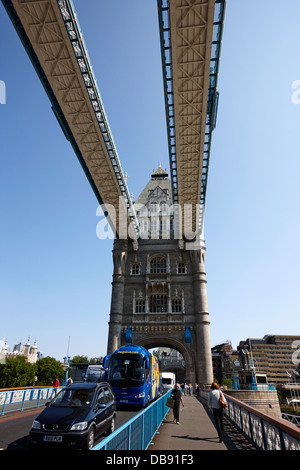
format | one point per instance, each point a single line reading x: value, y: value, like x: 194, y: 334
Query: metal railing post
x: 3, y: 409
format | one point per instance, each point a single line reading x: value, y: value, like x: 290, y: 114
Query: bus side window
x: 147, y: 370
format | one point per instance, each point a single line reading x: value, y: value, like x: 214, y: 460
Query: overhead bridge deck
x: 191, y: 36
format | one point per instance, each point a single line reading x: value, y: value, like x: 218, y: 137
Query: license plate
x: 52, y: 438
x: 123, y: 401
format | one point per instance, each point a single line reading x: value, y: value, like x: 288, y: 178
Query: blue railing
x: 262, y: 387
x: 19, y: 400
x: 137, y: 434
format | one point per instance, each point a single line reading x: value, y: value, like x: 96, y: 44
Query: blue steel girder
x: 51, y: 36
x: 168, y: 29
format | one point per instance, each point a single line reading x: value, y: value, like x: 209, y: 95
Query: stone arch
x: 150, y: 342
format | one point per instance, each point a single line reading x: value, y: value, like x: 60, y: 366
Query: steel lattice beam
x: 52, y: 38
x: 191, y: 34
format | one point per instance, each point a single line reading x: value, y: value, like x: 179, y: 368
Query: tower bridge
x: 159, y: 282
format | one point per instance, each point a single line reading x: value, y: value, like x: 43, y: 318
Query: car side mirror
x: 99, y: 406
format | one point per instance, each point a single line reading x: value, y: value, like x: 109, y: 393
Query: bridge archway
x: 169, y: 342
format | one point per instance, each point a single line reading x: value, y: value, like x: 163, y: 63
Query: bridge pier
x: 159, y: 286
x: 117, y: 296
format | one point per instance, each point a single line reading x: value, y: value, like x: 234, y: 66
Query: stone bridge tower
x: 159, y: 285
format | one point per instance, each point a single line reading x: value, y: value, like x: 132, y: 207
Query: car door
x: 110, y: 402
x: 100, y: 411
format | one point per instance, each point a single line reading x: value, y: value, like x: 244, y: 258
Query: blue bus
x: 133, y: 373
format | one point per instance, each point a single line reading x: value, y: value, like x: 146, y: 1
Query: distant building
x: 171, y: 361
x: 30, y: 352
x: 274, y: 355
x: 226, y: 361
x: 273, y: 359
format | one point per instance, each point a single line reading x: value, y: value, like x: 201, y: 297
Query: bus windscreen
x: 126, y: 370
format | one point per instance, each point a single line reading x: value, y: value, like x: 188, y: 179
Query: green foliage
x: 80, y: 360
x: 17, y: 372
x: 48, y: 369
x: 227, y: 382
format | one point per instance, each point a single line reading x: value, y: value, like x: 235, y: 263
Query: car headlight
x: 79, y: 426
x: 36, y: 425
x: 141, y: 395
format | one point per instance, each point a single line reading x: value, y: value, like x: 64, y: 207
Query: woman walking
x: 214, y: 403
x: 177, y: 397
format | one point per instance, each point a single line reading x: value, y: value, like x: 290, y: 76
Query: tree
x: 17, y: 372
x: 227, y: 382
x: 48, y: 369
x: 80, y: 360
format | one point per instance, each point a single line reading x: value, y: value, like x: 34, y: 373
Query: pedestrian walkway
x: 196, y: 431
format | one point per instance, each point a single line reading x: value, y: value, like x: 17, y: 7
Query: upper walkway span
x: 191, y: 37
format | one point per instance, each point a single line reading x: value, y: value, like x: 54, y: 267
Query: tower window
x: 158, y: 265
x: 153, y: 208
x: 135, y: 268
x: 176, y: 305
x: 153, y: 225
x: 164, y: 208
x: 181, y: 268
x: 158, y: 303
x: 140, y: 306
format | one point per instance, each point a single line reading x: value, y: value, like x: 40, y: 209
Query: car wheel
x: 112, y: 426
x: 90, y: 438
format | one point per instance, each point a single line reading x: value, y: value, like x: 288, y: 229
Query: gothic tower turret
x: 159, y: 285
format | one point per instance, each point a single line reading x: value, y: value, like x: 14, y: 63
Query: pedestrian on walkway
x: 55, y: 382
x: 213, y: 402
x: 177, y: 397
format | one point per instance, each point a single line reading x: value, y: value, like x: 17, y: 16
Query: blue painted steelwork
x: 19, y: 400
x: 133, y: 374
x: 213, y: 94
x: 187, y: 334
x: 137, y: 434
x: 128, y: 335
x: 262, y: 386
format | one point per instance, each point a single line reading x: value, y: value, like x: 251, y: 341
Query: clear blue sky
x: 55, y: 274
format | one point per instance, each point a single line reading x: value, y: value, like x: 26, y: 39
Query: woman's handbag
x: 170, y: 403
x: 222, y: 401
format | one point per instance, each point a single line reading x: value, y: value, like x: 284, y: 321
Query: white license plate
x: 123, y: 401
x: 52, y: 438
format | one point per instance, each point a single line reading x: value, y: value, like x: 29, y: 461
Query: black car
x: 75, y: 417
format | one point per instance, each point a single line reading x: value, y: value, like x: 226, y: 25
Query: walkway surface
x: 196, y: 431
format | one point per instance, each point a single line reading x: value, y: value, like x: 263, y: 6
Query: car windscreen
x: 69, y: 397
x: 167, y: 381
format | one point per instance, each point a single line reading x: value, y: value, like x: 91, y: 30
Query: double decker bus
x: 133, y: 373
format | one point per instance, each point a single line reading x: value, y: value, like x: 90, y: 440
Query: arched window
x: 181, y: 268
x: 158, y: 265
x: 158, y: 303
x: 135, y: 268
